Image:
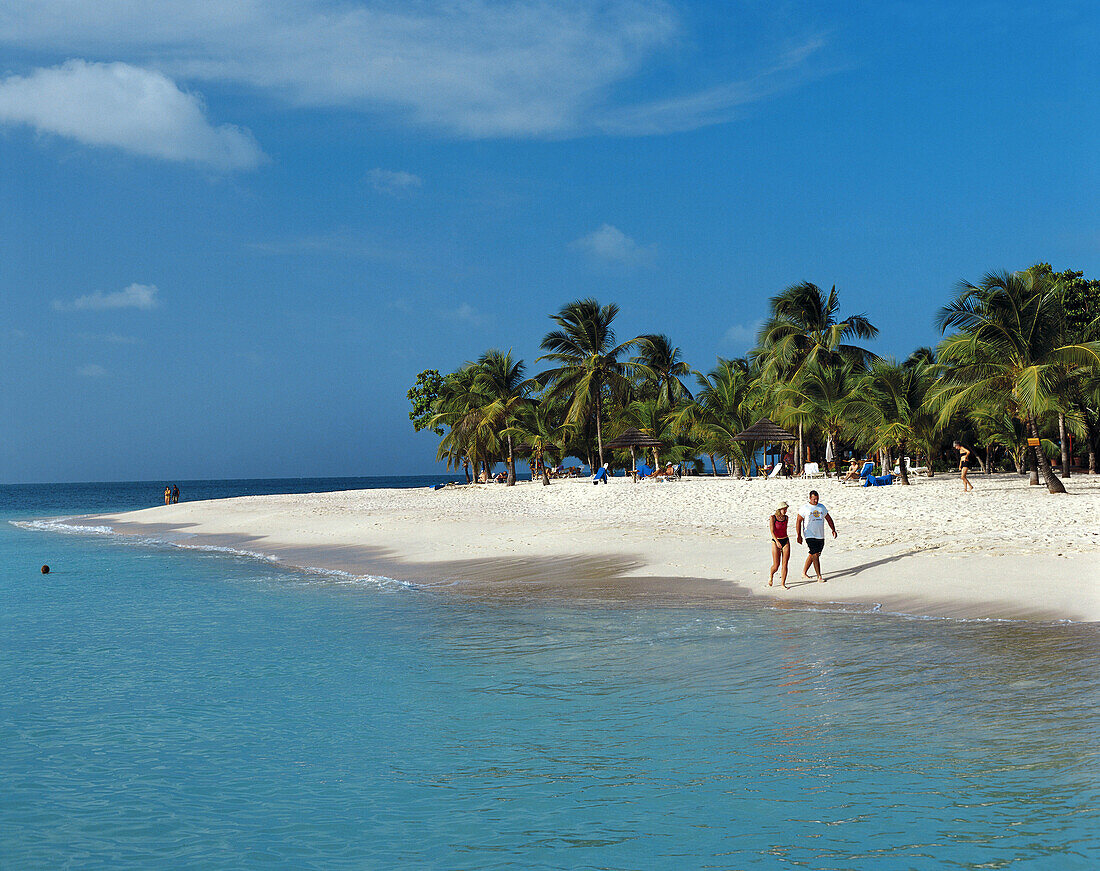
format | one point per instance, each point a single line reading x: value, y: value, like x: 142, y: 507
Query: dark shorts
x: 816, y: 545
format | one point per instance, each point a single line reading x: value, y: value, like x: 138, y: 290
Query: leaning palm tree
x: 662, y: 369
x: 500, y: 383
x: 1008, y: 345
x: 804, y: 329
x: 587, y: 365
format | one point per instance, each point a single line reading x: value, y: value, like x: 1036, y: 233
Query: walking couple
x: 812, y: 518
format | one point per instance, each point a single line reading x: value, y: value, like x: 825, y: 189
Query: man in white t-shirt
x: 812, y: 518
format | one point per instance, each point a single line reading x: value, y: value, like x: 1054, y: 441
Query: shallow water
x: 171, y: 708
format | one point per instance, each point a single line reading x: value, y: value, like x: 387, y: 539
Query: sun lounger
x: 775, y: 473
x: 916, y: 470
x: 812, y: 470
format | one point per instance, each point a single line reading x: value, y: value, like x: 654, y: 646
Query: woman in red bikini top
x: 781, y: 544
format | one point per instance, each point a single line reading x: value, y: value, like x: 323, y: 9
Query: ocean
x: 164, y: 707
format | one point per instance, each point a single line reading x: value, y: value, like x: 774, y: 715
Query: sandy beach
x: 1005, y: 551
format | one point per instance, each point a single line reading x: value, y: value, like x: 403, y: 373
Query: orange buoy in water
x: 45, y: 570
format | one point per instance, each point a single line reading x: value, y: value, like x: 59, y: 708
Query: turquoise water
x: 165, y: 708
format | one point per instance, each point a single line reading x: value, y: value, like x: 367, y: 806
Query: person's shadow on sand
x: 855, y: 570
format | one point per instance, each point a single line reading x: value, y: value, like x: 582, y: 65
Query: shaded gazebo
x: 766, y: 431
x: 634, y: 438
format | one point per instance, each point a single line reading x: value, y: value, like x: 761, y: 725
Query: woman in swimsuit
x: 964, y: 466
x: 781, y: 544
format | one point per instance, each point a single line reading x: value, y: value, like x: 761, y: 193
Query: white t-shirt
x: 813, y: 517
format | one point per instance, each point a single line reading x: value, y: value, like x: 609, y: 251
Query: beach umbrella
x: 633, y: 438
x: 764, y: 430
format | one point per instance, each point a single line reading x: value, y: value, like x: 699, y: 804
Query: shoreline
x: 901, y: 550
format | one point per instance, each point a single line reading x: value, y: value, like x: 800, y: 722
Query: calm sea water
x: 165, y: 708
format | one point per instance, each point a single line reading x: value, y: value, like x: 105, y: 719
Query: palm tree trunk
x: 511, y: 463
x: 902, y: 467
x: 466, y: 468
x: 1064, y: 438
x: 713, y: 467
x: 801, y: 452
x: 599, y: 439
x: 1089, y: 441
x: 1053, y: 484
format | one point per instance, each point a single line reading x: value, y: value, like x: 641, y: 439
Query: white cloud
x: 390, y: 181
x: 612, y: 245
x: 137, y: 110
x: 139, y: 296
x: 91, y: 370
x: 477, y: 68
x: 741, y: 336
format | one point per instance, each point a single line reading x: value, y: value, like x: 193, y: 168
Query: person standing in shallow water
x: 781, y: 544
x: 167, y: 495
x: 175, y: 494
x: 814, y: 515
x: 964, y: 465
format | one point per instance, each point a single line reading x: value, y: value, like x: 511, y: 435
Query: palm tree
x: 889, y: 405
x: 660, y: 364
x: 456, y: 409
x: 821, y: 395
x: 804, y: 328
x: 500, y: 382
x: 728, y: 402
x: 655, y: 420
x: 587, y: 365
x: 538, y: 430
x: 1008, y: 344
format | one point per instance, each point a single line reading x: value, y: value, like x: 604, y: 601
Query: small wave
x: 60, y: 524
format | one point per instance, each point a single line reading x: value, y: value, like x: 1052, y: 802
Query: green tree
x: 889, y: 405
x: 500, y: 384
x: 1009, y: 344
x: 805, y: 329
x: 662, y: 368
x: 728, y: 401
x: 587, y: 365
x: 423, y: 396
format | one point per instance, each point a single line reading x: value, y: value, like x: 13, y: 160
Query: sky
x: 231, y: 237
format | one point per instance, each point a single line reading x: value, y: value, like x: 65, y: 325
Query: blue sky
x: 229, y: 239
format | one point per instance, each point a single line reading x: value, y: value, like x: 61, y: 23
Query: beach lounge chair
x: 643, y: 472
x: 776, y: 472
x: 867, y: 470
x: 812, y: 470
x: 916, y: 470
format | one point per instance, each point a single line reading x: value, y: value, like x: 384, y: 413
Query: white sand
x: 1006, y: 550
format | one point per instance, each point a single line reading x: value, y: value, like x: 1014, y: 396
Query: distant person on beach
x: 167, y: 495
x: 175, y: 494
x: 853, y: 471
x: 964, y: 465
x: 812, y: 518
x: 781, y: 543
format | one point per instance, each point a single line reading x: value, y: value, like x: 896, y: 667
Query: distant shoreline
x: 1002, y: 552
